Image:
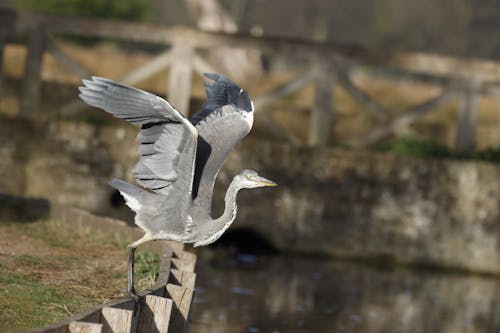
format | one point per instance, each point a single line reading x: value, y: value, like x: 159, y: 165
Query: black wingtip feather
x: 212, y: 76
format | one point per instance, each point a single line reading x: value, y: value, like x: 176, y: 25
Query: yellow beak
x: 266, y: 182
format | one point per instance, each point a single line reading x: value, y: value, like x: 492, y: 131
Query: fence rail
x: 324, y: 65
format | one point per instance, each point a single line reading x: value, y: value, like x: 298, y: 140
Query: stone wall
x: 366, y: 205
x: 66, y: 162
x: 354, y: 205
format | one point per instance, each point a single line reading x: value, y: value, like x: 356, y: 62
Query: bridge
x: 322, y: 64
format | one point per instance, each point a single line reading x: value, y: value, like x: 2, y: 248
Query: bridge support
x: 30, y: 99
x: 322, y: 112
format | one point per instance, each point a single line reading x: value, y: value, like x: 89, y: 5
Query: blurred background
x: 380, y: 120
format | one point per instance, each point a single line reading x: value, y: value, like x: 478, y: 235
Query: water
x: 280, y: 294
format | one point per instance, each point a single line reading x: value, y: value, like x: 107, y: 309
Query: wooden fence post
x: 179, y: 84
x: 466, y: 118
x: 321, y: 116
x: 30, y: 98
x: 155, y: 314
x: 7, y: 21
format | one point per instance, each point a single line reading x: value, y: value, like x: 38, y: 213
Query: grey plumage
x: 179, y: 159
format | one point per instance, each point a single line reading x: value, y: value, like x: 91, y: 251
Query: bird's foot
x: 133, y: 294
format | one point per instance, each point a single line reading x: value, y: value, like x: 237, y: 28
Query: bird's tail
x: 131, y: 194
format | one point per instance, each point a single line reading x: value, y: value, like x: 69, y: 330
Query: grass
x: 55, y: 262
x: 407, y: 145
x: 147, y: 268
x: 49, y: 271
x: 27, y: 302
x: 59, y: 236
x: 411, y: 146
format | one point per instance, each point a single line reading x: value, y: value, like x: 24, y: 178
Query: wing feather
x: 167, y: 140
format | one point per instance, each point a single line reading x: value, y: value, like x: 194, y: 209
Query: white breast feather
x: 248, y: 116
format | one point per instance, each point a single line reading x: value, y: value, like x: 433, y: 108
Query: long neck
x: 230, y: 206
x: 218, y: 226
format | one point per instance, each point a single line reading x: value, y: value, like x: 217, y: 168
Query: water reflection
x: 280, y: 294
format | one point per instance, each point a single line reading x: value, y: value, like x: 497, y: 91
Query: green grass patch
x: 407, y: 145
x: 29, y: 260
x: 411, y: 146
x: 147, y: 269
x: 62, y: 271
x: 63, y: 236
x: 28, y: 303
x: 47, y: 233
x: 57, y: 262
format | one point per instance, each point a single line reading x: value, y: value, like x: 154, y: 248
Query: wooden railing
x: 323, y: 64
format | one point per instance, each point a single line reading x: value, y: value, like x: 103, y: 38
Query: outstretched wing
x: 167, y: 140
x: 225, y: 119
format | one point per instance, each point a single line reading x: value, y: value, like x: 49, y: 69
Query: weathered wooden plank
x: 155, y: 65
x: 382, y: 131
x: 179, y: 82
x: 466, y: 118
x: 283, y: 90
x: 154, y: 314
x: 183, y: 298
x: 115, y: 320
x: 82, y: 327
x: 183, y: 278
x: 32, y: 71
x: 424, y: 63
x: 359, y: 95
x: 321, y: 116
x: 152, y: 67
x: 65, y: 60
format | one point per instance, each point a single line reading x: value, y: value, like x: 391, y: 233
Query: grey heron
x: 179, y: 160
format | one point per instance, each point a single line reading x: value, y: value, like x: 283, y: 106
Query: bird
x: 179, y: 160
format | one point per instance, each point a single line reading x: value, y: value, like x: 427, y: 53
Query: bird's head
x: 223, y: 91
x: 250, y: 179
x: 239, y: 98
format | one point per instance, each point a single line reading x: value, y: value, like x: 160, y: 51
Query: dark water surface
x: 282, y: 294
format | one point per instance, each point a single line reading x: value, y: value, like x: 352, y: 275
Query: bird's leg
x: 130, y: 272
x: 130, y: 260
